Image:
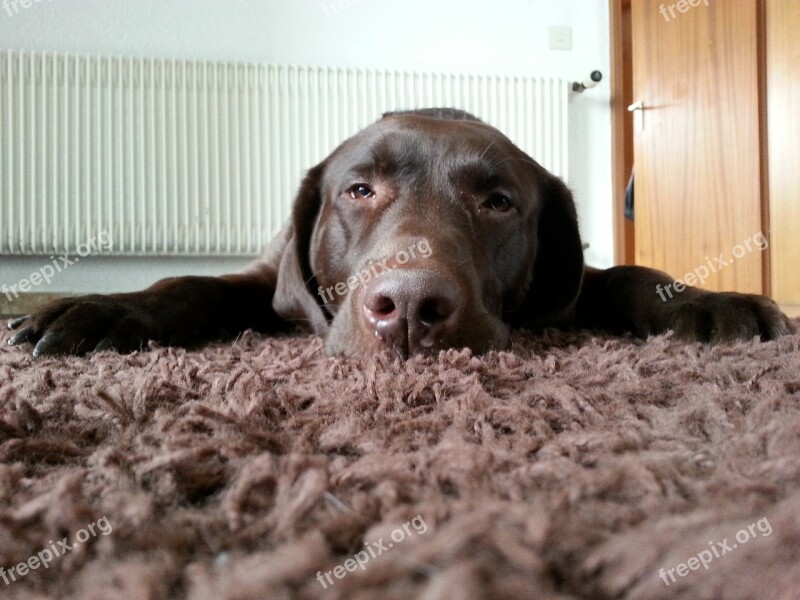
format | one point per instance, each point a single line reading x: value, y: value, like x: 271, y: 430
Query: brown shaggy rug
x: 576, y: 466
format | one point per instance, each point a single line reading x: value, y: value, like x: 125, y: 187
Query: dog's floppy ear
x: 294, y: 298
x: 558, y: 264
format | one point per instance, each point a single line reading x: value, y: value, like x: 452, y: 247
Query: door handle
x: 637, y: 108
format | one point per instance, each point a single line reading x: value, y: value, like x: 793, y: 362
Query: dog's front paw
x: 726, y: 317
x: 83, y: 324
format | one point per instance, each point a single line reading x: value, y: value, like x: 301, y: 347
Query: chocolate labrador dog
x: 427, y: 230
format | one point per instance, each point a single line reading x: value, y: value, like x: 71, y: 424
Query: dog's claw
x: 46, y: 344
x: 22, y: 336
x: 14, y: 323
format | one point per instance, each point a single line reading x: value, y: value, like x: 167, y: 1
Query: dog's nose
x: 411, y: 310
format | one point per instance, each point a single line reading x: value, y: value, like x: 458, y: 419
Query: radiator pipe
x: 594, y: 78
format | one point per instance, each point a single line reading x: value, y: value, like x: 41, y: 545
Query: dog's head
x: 428, y: 230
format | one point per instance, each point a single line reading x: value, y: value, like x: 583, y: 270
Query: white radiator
x: 175, y: 157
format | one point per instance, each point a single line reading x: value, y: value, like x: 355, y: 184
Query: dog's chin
x: 349, y: 338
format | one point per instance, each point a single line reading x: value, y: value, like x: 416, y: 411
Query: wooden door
x: 697, y: 157
x: 783, y: 112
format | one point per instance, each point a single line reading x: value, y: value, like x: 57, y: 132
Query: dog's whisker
x: 487, y: 150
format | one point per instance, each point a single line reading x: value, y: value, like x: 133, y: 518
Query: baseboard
x: 26, y: 303
x: 791, y: 311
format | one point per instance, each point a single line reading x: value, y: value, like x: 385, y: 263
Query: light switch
x: 560, y: 38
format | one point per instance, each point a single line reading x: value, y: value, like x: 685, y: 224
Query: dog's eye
x: 361, y: 191
x: 498, y: 203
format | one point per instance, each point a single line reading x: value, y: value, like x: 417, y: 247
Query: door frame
x: 621, y: 127
x: 763, y: 151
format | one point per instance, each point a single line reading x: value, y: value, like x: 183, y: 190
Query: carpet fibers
x: 576, y: 466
